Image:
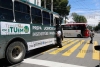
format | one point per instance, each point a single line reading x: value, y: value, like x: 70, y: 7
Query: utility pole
x: 45, y: 4
x: 52, y: 5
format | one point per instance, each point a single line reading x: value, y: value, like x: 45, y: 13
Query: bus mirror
x: 97, y: 47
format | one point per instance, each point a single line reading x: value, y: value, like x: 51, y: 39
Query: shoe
x: 60, y: 46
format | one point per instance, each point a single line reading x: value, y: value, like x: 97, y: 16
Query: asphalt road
x: 76, y: 52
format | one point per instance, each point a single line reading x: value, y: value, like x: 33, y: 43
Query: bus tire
x: 15, y: 52
x: 78, y: 35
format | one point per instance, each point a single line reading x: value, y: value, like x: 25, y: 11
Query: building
x: 36, y: 2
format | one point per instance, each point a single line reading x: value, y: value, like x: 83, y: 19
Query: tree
x: 59, y: 6
x: 89, y: 27
x: 79, y: 18
x: 97, y: 27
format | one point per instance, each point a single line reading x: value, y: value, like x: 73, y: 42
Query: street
x: 76, y: 52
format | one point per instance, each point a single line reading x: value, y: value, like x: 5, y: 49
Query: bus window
x: 65, y: 27
x: 75, y: 27
x: 22, y: 12
x: 46, y: 18
x: 68, y: 27
x: 36, y: 15
x: 57, y: 20
x: 52, y: 19
x: 6, y: 4
x: 6, y: 10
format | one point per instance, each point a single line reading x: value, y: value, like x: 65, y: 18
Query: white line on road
x: 48, y: 63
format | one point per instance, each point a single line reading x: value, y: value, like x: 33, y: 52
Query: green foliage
x: 59, y: 6
x: 97, y: 27
x: 79, y: 18
x: 89, y: 27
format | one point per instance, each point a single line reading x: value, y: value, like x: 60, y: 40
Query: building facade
x: 36, y: 2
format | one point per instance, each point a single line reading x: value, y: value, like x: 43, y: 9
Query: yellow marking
x: 48, y: 50
x: 95, y: 52
x: 70, y: 51
x: 64, y: 47
x: 65, y: 40
x: 83, y: 51
x: 68, y: 41
x: 55, y: 48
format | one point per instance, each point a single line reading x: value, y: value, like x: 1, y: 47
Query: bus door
x: 57, y: 23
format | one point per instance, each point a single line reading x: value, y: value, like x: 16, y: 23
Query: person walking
x: 91, y: 36
x: 59, y: 38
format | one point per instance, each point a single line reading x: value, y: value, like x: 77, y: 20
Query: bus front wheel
x: 15, y: 52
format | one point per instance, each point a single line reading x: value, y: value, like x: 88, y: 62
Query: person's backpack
x: 92, y: 34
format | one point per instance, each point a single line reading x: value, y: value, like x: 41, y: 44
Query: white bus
x: 75, y: 30
x: 23, y: 27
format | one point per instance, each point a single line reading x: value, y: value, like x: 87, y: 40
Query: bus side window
x: 6, y: 10
x: 75, y: 27
x: 36, y: 15
x: 70, y: 27
x: 22, y: 12
x: 51, y: 19
x: 46, y: 18
x: 78, y: 27
x: 65, y: 27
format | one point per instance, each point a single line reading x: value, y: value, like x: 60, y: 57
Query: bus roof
x: 33, y: 5
x: 75, y: 24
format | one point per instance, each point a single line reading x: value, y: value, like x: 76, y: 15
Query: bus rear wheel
x: 78, y: 35
x: 15, y: 52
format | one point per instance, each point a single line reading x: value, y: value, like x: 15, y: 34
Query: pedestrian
x: 59, y: 38
x: 91, y: 36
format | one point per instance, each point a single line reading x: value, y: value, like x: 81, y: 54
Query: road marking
x: 83, y: 51
x: 65, y: 40
x: 54, y: 48
x: 95, y: 53
x: 70, y: 51
x: 48, y: 63
x: 64, y: 47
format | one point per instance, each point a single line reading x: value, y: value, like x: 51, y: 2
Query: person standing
x: 91, y: 36
x: 59, y: 38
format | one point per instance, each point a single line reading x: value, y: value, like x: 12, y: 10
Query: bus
x: 24, y: 27
x: 75, y: 30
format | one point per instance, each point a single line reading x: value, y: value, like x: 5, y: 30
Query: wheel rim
x: 16, y: 52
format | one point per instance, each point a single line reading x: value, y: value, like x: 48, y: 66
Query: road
x: 76, y: 52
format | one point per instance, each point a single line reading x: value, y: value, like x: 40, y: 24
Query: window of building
x: 6, y: 10
x: 36, y: 15
x: 22, y: 12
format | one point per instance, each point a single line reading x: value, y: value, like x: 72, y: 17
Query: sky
x: 88, y: 8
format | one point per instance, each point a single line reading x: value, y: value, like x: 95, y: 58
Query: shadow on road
x: 38, y: 50
x: 4, y: 63
x: 97, y: 66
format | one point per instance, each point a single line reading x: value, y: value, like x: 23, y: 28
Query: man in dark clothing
x: 59, y: 38
x: 91, y: 36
